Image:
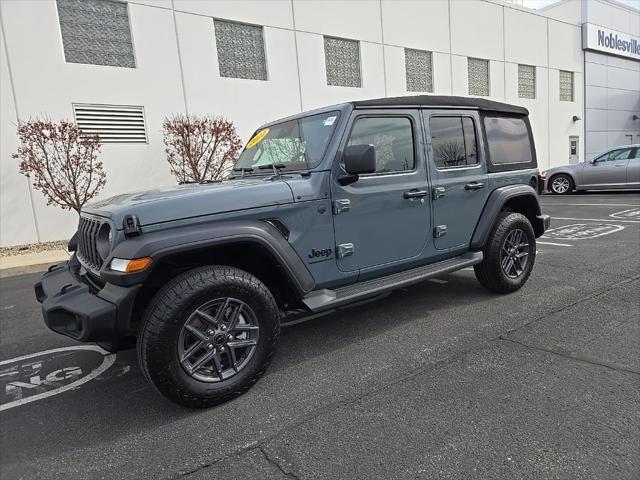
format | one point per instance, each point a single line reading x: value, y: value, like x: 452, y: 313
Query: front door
x: 383, y: 217
x: 458, y: 176
x: 609, y: 169
x: 633, y: 169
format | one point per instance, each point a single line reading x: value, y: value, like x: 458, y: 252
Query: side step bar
x: 323, y: 299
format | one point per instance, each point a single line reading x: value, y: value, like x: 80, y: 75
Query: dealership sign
x: 595, y: 37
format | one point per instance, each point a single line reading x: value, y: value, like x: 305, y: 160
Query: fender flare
x: 496, y: 202
x: 163, y: 243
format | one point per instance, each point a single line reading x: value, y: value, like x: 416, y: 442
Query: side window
x: 508, y: 140
x: 454, y: 142
x: 392, y: 138
x: 604, y: 157
x: 621, y: 154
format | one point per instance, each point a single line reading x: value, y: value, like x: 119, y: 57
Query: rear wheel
x: 561, y: 184
x: 208, y: 336
x: 509, y: 254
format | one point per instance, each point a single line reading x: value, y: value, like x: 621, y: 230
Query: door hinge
x: 438, y: 192
x: 341, y: 205
x: 345, y: 249
x: 440, y: 231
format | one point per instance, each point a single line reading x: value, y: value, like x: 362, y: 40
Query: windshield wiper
x: 275, y: 166
x: 242, y: 170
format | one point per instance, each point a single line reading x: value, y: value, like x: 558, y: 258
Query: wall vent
x: 112, y: 123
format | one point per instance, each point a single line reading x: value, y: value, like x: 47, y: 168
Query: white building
x: 159, y: 57
x: 611, y: 42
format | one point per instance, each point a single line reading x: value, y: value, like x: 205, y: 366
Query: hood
x: 192, y: 200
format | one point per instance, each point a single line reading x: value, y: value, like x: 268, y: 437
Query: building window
x: 526, y: 81
x: 112, y: 123
x: 342, y: 59
x: 566, y: 86
x: 478, y: 70
x: 419, y: 70
x: 240, y: 50
x: 96, y: 32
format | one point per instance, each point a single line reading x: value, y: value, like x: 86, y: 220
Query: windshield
x: 293, y: 145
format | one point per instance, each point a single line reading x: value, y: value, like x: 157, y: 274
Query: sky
x: 544, y: 3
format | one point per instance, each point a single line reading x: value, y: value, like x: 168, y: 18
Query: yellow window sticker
x: 257, y: 138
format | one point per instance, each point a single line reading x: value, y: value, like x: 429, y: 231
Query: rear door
x: 608, y: 170
x: 458, y: 175
x: 383, y: 217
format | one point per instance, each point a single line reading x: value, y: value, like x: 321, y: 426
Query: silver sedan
x: 618, y: 168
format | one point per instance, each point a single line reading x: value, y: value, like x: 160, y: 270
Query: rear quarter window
x: 509, y: 142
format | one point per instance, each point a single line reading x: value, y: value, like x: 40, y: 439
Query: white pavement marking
x: 596, y: 219
x: 581, y: 231
x: 437, y: 280
x: 557, y: 244
x: 630, y: 213
x: 108, y: 360
x: 591, y: 204
x: 591, y: 195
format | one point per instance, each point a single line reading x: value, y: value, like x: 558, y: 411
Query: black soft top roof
x: 442, y: 101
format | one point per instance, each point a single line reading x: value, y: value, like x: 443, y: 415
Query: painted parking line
x: 552, y: 243
x: 590, y: 204
x: 596, y: 219
x: 40, y: 375
x: 437, y: 280
x: 632, y: 213
x: 596, y: 195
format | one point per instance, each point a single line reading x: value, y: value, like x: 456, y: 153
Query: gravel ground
x: 33, y: 248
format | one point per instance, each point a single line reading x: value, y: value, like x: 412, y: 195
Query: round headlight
x: 103, y: 242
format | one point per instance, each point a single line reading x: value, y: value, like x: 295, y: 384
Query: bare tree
x: 200, y: 148
x: 61, y: 161
x: 449, y: 153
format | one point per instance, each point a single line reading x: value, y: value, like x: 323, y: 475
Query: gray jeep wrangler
x: 322, y: 209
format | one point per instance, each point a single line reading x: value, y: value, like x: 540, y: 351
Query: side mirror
x: 357, y: 159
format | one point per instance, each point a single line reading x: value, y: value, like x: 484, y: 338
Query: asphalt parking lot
x: 440, y: 380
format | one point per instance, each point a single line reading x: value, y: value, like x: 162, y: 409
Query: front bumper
x: 73, y: 307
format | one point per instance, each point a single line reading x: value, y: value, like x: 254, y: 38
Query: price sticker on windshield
x: 257, y: 138
x: 329, y: 121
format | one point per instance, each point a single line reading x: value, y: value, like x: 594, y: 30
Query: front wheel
x: 509, y: 254
x: 561, y: 184
x: 208, y: 336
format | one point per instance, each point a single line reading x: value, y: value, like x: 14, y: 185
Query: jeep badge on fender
x: 201, y: 275
x: 320, y: 253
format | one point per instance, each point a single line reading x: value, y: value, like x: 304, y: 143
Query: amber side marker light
x: 130, y: 266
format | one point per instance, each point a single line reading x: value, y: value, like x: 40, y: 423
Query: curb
x: 27, y: 269
x: 30, y: 263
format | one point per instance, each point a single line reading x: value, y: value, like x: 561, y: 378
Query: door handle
x: 415, y: 194
x: 474, y: 186
x: 620, y: 165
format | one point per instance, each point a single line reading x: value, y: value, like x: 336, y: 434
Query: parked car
x: 323, y: 209
x: 618, y: 168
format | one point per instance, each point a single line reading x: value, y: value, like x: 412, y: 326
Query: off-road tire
x: 566, y: 179
x: 169, y: 310
x: 489, y: 272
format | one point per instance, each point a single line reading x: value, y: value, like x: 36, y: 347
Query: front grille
x: 87, y: 242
